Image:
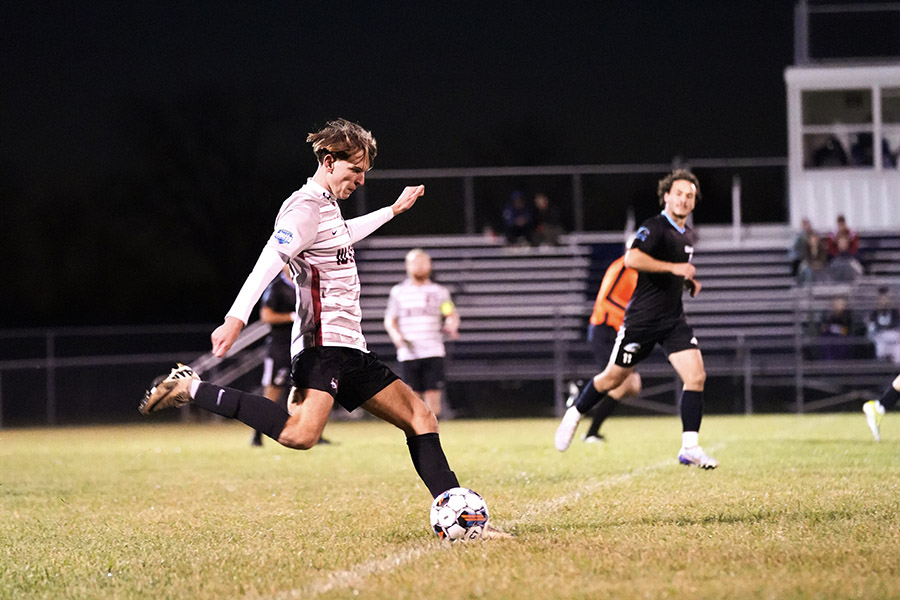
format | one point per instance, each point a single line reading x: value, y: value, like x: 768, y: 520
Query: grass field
x: 801, y: 507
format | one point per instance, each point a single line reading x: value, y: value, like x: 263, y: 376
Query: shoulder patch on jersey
x: 642, y: 234
x: 284, y: 236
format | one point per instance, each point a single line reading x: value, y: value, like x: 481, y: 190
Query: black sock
x: 430, y: 463
x: 691, y: 410
x: 603, y: 410
x: 258, y: 412
x: 889, y: 398
x: 589, y: 398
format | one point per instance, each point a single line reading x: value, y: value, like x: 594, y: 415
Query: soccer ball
x: 459, y: 514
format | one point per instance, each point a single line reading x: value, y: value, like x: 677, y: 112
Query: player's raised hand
x: 407, y: 198
x: 225, y: 335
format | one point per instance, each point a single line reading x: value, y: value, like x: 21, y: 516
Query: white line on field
x: 355, y: 575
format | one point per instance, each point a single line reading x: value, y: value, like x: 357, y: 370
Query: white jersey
x: 418, y: 310
x: 312, y: 236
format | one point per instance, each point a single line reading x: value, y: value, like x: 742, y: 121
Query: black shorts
x: 602, y: 339
x: 634, y: 345
x: 423, y: 374
x: 277, y: 364
x: 351, y: 376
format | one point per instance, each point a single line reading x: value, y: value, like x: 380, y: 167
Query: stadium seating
x: 525, y: 310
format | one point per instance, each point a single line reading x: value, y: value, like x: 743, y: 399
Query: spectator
x: 883, y: 325
x: 813, y: 260
x: 548, y: 226
x: 843, y: 251
x: 798, y: 249
x: 518, y: 220
x: 863, y: 155
x: 836, y: 327
x: 830, y: 154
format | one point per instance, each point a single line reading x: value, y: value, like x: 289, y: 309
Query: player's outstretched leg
x: 182, y: 386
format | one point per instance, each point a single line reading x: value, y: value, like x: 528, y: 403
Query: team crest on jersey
x: 284, y: 236
x: 642, y: 234
x: 632, y: 347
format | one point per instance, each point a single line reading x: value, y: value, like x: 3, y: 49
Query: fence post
x: 469, y: 203
x: 51, y: 378
x: 748, y: 374
x: 736, y: 209
x: 577, y: 202
x: 559, y: 363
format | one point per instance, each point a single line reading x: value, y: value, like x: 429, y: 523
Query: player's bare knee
x: 695, y: 381
x: 633, y: 384
x: 423, y: 421
x: 298, y: 439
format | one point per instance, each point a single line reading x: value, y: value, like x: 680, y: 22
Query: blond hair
x: 343, y: 140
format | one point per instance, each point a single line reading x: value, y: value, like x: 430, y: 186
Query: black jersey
x: 280, y: 297
x: 657, y: 297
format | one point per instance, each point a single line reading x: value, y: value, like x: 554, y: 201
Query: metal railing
x: 576, y: 174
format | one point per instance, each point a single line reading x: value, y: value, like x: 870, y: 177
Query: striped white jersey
x: 312, y: 236
x: 420, y: 319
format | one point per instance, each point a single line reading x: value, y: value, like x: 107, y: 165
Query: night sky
x: 135, y: 134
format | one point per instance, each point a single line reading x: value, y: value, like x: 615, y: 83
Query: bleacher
x: 525, y: 310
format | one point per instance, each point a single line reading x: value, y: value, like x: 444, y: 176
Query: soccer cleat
x: 169, y: 390
x: 593, y: 439
x: 874, y: 411
x: 696, y: 456
x: 566, y: 430
x: 574, y: 390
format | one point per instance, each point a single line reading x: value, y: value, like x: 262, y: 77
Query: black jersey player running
x: 661, y: 252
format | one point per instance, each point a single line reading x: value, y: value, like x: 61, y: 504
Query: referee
x: 661, y: 252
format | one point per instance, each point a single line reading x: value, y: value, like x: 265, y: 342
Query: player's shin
x: 431, y: 464
x: 258, y: 412
x: 691, y: 410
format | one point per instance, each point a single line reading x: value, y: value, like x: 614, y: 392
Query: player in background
x: 661, y: 252
x: 875, y: 409
x: 615, y: 292
x: 419, y: 313
x: 330, y: 360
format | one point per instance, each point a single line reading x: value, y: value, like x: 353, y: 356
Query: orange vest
x: 615, y: 292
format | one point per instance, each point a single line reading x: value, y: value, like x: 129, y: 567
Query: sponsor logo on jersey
x: 284, y: 236
x: 694, y: 342
x: 334, y: 384
x: 632, y: 347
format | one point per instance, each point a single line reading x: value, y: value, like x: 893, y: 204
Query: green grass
x: 801, y: 507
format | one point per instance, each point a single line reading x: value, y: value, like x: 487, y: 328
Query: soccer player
x: 419, y: 313
x: 615, y: 292
x: 330, y: 360
x: 661, y: 252
x: 875, y: 409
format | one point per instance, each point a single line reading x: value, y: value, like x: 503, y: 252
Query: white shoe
x: 566, y: 430
x: 593, y: 439
x: 696, y: 456
x: 874, y: 411
x: 573, y: 393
